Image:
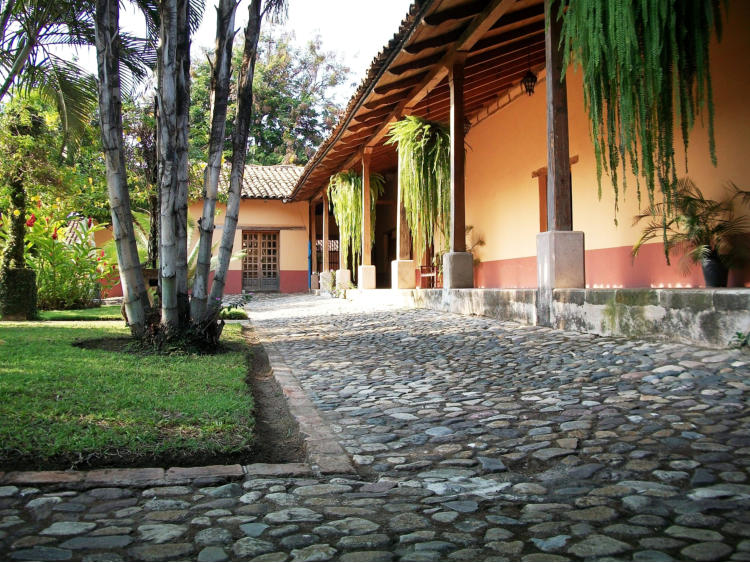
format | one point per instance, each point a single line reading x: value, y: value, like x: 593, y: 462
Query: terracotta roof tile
x: 269, y: 182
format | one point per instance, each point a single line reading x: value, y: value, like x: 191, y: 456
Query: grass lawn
x: 63, y: 406
x: 104, y: 313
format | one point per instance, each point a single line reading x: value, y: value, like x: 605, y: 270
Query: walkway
x: 474, y: 439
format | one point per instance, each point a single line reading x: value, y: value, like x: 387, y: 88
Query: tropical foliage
x: 644, y: 63
x: 345, y: 195
x: 697, y: 226
x: 424, y: 169
x: 293, y: 104
x: 70, y: 270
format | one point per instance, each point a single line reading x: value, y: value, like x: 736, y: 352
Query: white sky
x: 356, y: 29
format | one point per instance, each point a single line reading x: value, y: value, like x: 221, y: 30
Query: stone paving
x: 474, y: 439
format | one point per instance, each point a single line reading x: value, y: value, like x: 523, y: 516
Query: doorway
x: 260, y: 266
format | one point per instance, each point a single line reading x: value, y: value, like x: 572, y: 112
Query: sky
x: 355, y: 29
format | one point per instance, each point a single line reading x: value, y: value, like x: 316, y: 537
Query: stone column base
x: 403, y: 274
x: 458, y: 270
x: 560, y: 260
x: 326, y: 281
x: 314, y: 281
x: 343, y: 279
x: 366, y: 277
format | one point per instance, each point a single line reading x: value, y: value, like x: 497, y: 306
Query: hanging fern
x: 425, y: 177
x: 644, y: 63
x: 345, y: 194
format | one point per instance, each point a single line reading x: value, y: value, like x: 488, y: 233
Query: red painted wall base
x: 607, y: 268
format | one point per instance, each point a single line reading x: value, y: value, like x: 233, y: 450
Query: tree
x: 294, y: 109
x: 173, y: 96
x: 30, y: 30
x: 108, y: 44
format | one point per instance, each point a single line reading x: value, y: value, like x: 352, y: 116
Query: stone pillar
x: 366, y: 274
x: 458, y: 265
x: 560, y: 251
x: 403, y: 269
x: 314, y: 280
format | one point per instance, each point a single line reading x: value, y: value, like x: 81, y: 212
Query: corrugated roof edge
x: 378, y: 66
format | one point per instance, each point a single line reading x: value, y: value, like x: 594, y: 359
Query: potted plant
x: 704, y: 228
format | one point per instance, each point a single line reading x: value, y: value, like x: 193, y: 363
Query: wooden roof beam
x: 470, y: 35
x: 401, y: 84
x: 437, y: 41
x: 385, y: 100
x: 535, y: 28
x: 417, y: 64
x: 457, y: 13
x: 532, y: 12
x: 380, y: 112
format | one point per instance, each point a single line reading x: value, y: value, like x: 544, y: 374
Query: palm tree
x: 135, y: 297
x: 257, y: 10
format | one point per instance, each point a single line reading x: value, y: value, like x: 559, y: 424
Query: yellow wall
x: 504, y: 149
x: 269, y: 213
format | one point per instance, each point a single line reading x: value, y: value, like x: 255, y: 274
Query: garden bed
x: 102, y: 405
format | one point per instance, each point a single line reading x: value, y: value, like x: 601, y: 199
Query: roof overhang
x: 499, y: 39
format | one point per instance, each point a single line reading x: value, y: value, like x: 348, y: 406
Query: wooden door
x: 260, y: 266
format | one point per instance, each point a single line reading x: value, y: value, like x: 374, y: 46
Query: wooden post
x: 403, y: 237
x: 559, y: 193
x: 366, y: 222
x: 313, y: 239
x: 325, y: 232
x: 458, y: 156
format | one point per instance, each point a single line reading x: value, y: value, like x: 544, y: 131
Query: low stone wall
x: 708, y: 317
x: 507, y: 304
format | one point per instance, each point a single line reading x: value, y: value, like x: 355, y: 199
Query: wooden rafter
x: 535, y: 28
x: 462, y: 12
x: 402, y: 84
x: 437, y: 41
x: 417, y: 64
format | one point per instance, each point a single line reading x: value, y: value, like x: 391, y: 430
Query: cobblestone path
x: 475, y: 439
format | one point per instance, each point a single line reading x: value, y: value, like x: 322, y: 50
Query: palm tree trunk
x: 167, y: 97
x: 110, y: 109
x: 239, y: 151
x: 220, y: 81
x: 183, y: 164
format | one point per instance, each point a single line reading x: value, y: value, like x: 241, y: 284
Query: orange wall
x: 502, y: 200
x: 290, y: 218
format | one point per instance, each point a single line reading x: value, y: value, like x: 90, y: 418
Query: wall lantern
x: 528, y: 82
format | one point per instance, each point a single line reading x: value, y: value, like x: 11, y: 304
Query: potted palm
x: 706, y: 230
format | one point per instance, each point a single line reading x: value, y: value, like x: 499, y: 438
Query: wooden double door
x: 260, y: 265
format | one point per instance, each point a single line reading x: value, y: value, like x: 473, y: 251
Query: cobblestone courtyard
x: 474, y: 439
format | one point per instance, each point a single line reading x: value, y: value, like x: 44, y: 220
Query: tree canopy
x: 293, y: 100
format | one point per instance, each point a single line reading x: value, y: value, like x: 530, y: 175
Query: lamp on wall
x: 528, y: 82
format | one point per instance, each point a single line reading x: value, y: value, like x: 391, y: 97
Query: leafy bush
x: 60, y: 248
x: 230, y: 313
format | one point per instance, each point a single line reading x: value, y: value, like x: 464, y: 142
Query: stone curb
x: 323, y: 450
x: 151, y: 476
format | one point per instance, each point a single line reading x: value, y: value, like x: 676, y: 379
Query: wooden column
x: 366, y: 222
x: 313, y: 239
x: 325, y: 232
x: 559, y: 194
x: 403, y: 237
x: 458, y: 155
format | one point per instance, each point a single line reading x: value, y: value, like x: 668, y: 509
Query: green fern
x: 345, y: 194
x: 424, y: 169
x: 643, y: 63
